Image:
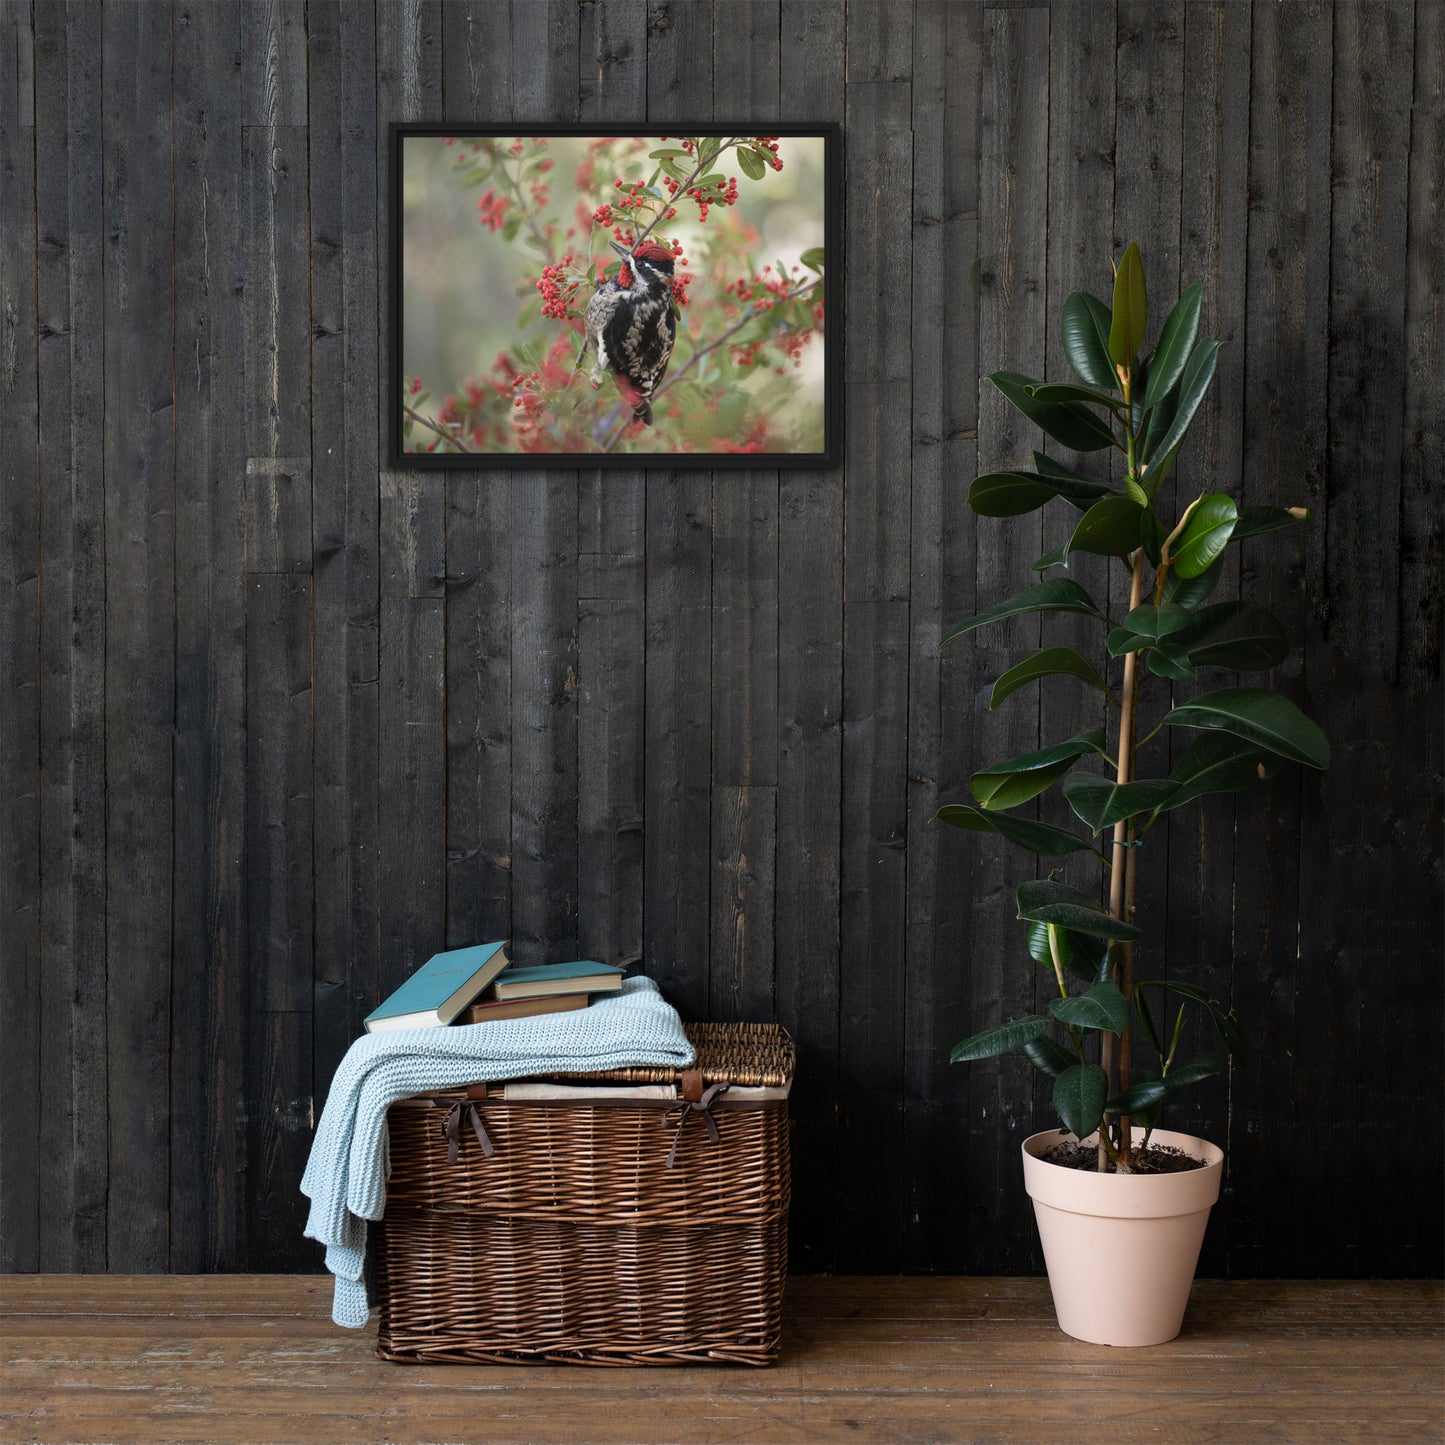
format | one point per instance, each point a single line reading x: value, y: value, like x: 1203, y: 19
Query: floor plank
x: 181, y: 1360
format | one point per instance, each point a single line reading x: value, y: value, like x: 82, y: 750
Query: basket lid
x: 749, y: 1055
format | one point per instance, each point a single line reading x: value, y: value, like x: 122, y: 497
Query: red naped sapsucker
x: 630, y: 324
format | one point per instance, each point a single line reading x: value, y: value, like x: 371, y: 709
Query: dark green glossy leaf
x: 1257, y: 716
x: 1059, y: 557
x: 751, y: 164
x: 1041, y: 838
x: 1110, y: 528
x: 1012, y: 494
x: 1206, y: 1066
x: 1191, y: 591
x: 1225, y: 1022
x: 1078, y: 954
x: 1042, y: 900
x: 1103, y: 1007
x: 1051, y: 662
x: 1239, y: 635
x: 1138, y: 1097
x: 1176, y: 341
x: 1048, y: 1057
x: 1255, y: 521
x: 1057, y: 595
x: 1001, y: 1039
x: 1079, y: 1094
x: 1072, y: 426
x: 1206, y: 534
x: 1198, y: 373
x: 1130, y: 316
x: 1146, y: 1021
x: 1151, y: 534
x: 1015, y: 781
x: 1085, y: 333
x: 1151, y: 622
x: 813, y: 258
x: 1168, y: 659
x: 1215, y: 763
x: 1101, y: 804
x: 1067, y: 391
x: 1047, y: 466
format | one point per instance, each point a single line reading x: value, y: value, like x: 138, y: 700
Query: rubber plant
x: 1141, y: 405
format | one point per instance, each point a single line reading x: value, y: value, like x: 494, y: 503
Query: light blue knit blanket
x: 346, y: 1175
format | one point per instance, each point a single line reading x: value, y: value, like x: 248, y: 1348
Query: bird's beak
x: 621, y: 250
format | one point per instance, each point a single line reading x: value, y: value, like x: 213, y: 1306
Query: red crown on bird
x: 653, y: 252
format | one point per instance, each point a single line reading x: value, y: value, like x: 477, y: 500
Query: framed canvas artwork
x: 570, y: 297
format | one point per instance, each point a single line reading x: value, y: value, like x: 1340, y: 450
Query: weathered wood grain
x: 344, y: 158
x: 139, y: 438
x: 209, y: 990
x: 20, y: 838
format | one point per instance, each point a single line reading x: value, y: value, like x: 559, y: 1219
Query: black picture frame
x: 828, y: 457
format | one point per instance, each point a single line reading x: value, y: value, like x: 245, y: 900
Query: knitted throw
x: 346, y: 1175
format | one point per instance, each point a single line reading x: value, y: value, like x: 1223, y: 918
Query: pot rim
x: 1136, y: 1196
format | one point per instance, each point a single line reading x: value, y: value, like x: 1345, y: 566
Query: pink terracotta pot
x: 1121, y: 1248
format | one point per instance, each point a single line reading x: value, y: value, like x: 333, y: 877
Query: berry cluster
x: 492, y: 210
x: 558, y: 290
x: 768, y: 144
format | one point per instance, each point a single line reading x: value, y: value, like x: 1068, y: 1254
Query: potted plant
x: 1121, y: 1234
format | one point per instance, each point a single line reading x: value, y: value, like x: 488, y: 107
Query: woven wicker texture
x: 757, y: 1055
x: 576, y: 1242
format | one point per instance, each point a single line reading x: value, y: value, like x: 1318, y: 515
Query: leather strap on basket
x: 680, y: 1113
x: 453, y: 1129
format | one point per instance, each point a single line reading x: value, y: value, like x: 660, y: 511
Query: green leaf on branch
x: 1198, y: 373
x: 1012, y: 494
x: 664, y: 153
x: 1191, y: 591
x: 1130, y: 316
x: 1240, y: 635
x: 813, y: 258
x: 1149, y: 623
x: 1206, y: 1066
x: 1136, y: 1099
x: 1059, y: 557
x: 1063, y: 392
x: 1103, y: 1007
x: 1216, y: 763
x: 1100, y: 803
x: 1258, y: 716
x: 1059, y: 595
x: 1085, y: 333
x: 1225, y: 1022
x: 1168, y: 659
x: 1007, y: 784
x: 1255, y: 521
x: 1072, y: 426
x: 751, y: 163
x: 1079, y: 1094
x: 1176, y: 341
x: 1001, y: 1039
x: 1110, y: 528
x: 1051, y: 662
x: 1048, y: 1057
x: 1041, y: 838
x: 1042, y: 900
x: 1206, y: 534
x: 1084, y: 957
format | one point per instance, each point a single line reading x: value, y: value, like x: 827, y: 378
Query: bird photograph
x: 612, y: 295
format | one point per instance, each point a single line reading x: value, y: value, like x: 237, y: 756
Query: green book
x: 584, y: 976
x: 440, y: 989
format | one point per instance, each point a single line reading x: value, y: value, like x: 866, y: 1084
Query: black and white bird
x: 631, y: 326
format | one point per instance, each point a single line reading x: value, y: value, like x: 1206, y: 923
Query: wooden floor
x: 158, y: 1360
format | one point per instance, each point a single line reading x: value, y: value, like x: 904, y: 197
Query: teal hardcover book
x: 584, y: 976
x: 440, y: 989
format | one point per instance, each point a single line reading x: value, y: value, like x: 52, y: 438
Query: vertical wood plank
x: 209, y: 983
x: 72, y: 635
x: 139, y: 625
x: 611, y: 558
x: 344, y: 160
x: 476, y: 59
x: 1350, y: 664
x: 279, y: 914
x: 746, y: 45
x: 946, y: 76
x: 1013, y: 190
x: 810, y: 728
x: 278, y: 392
x: 1212, y: 251
x: 875, y: 635
x: 544, y: 591
x: 20, y: 838
x: 1285, y: 430
x: 677, y: 856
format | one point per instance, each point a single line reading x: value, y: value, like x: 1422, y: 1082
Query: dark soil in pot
x: 1156, y: 1159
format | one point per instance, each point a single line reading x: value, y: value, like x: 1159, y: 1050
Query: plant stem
x: 682, y: 189
x: 430, y: 425
x: 1121, y: 868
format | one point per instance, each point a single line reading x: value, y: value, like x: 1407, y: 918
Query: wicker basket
x: 626, y: 1232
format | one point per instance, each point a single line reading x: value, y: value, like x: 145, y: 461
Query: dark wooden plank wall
x: 278, y: 722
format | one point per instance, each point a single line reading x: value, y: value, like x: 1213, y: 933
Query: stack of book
x: 477, y: 985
